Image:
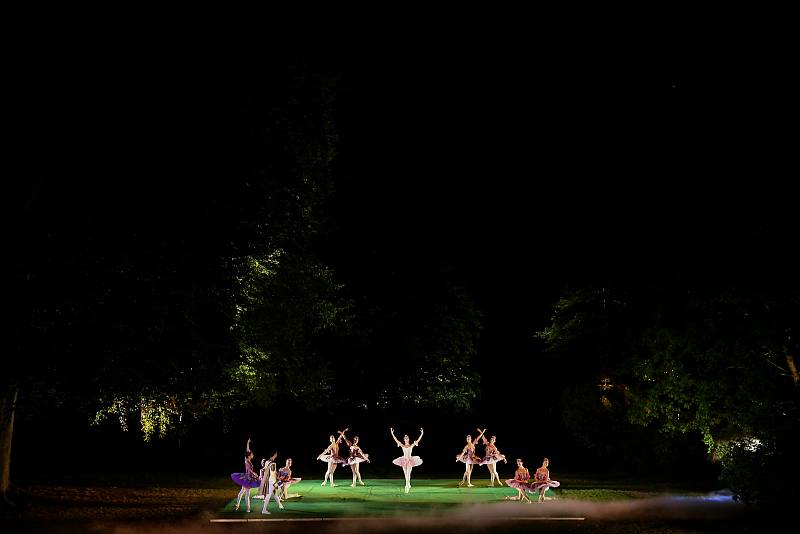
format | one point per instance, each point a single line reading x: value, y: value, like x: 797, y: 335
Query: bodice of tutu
x: 407, y: 451
x: 541, y: 475
x: 522, y: 475
x: 355, y: 450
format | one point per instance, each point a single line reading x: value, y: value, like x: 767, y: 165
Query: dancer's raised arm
x: 421, y: 432
x: 479, y: 436
x: 391, y: 431
x: 247, y: 447
x: 342, y: 436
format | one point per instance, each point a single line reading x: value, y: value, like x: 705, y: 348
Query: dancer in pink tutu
x: 520, y: 482
x: 356, y: 456
x: 407, y: 462
x: 490, y: 458
x: 247, y: 480
x: 469, y: 458
x: 541, y: 480
x: 331, y: 456
x: 285, y: 476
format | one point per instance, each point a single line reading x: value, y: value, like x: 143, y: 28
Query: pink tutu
x: 331, y: 458
x: 407, y: 461
x: 357, y: 459
x: 468, y: 457
x: 526, y: 486
x: 548, y: 485
x: 493, y: 459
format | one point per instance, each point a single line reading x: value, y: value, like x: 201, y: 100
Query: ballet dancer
x: 331, y: 456
x: 247, y: 480
x: 356, y: 456
x: 407, y: 462
x: 490, y: 458
x: 467, y: 456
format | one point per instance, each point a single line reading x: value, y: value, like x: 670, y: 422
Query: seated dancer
x: 541, y: 480
x: 468, y: 457
x: 247, y: 480
x: 407, y: 462
x: 520, y: 482
x: 331, y: 456
x: 274, y: 487
x: 285, y: 476
x: 356, y: 456
x: 490, y: 457
x: 263, y: 475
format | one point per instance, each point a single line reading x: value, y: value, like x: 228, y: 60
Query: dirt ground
x: 178, y: 510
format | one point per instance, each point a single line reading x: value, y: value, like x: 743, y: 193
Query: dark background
x: 512, y: 169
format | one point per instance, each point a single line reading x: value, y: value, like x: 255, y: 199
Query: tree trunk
x: 8, y: 405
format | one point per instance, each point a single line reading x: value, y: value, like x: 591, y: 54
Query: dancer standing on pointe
x: 520, y: 482
x: 541, y: 480
x: 247, y: 480
x: 407, y: 462
x: 468, y: 457
x: 331, y: 456
x: 356, y: 457
x: 490, y: 458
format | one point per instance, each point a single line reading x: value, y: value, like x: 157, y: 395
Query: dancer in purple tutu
x: 541, y: 480
x: 490, y: 458
x: 407, y: 462
x: 520, y: 482
x: 356, y: 456
x: 469, y: 458
x: 247, y: 480
x: 331, y: 456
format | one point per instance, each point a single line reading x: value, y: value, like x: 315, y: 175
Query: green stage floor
x: 378, y: 498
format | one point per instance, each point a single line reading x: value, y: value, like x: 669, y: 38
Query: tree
x: 716, y: 362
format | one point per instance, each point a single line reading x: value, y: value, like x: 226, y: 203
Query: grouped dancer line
x: 520, y: 482
x: 490, y: 458
x: 407, y: 462
x: 247, y: 480
x: 331, y: 456
x: 469, y: 458
x: 285, y: 476
x: 356, y: 456
x: 541, y: 480
x: 274, y: 487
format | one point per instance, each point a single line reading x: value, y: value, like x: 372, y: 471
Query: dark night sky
x: 516, y: 164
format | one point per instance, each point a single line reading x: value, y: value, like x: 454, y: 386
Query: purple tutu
x: 328, y: 457
x: 242, y: 479
x: 407, y: 461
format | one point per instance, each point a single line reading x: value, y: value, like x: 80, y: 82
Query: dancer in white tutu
x: 541, y: 480
x: 469, y: 458
x: 407, y: 462
x: 331, y: 456
x: 490, y: 458
x: 356, y: 456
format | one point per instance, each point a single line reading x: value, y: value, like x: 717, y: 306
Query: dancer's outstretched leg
x: 469, y: 476
x: 239, y: 497
x: 333, y: 468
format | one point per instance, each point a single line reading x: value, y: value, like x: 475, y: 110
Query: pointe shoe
x: 280, y: 507
x: 362, y: 483
x: 470, y: 485
x: 265, y: 512
x: 353, y: 485
x: 323, y: 483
